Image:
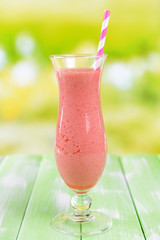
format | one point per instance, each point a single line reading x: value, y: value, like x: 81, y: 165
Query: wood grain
x: 143, y: 176
x: 51, y: 196
x: 17, y: 176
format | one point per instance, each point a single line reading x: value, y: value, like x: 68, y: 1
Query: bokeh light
x: 121, y: 75
x: 24, y: 73
x: 24, y: 44
x: 3, y: 58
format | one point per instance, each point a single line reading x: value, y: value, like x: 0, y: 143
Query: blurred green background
x: 130, y: 92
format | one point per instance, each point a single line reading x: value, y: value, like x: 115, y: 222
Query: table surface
x: 32, y: 192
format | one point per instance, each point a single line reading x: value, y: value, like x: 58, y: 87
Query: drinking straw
x: 102, y: 39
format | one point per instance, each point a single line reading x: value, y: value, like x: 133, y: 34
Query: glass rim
x: 60, y: 56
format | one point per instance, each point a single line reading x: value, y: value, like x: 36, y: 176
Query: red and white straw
x: 102, y: 39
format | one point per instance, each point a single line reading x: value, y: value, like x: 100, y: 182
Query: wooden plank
x: 17, y: 176
x: 143, y: 176
x: 50, y: 197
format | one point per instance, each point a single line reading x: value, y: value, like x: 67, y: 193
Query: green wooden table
x: 32, y: 192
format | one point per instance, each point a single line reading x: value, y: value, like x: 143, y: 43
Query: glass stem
x: 81, y: 204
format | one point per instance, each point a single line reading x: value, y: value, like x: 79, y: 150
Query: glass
x: 80, y: 145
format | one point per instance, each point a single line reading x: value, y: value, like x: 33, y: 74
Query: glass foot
x: 98, y: 223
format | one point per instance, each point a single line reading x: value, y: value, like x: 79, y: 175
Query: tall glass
x: 80, y: 146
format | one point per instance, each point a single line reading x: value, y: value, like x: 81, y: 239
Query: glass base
x: 96, y: 223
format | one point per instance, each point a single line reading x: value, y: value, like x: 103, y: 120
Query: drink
x: 80, y: 147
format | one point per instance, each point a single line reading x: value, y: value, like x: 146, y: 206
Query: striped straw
x: 102, y: 39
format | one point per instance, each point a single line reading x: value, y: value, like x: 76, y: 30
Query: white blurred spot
x: 116, y: 174
x: 112, y: 213
x: 129, y: 175
x: 12, y: 180
x: 24, y: 73
x: 69, y: 62
x: 156, y: 195
x: 2, y: 229
x: 121, y: 75
x: 154, y: 236
x: 62, y: 201
x: 25, y: 44
x: 3, y: 58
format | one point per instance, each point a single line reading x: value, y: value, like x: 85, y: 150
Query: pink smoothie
x: 80, y: 146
